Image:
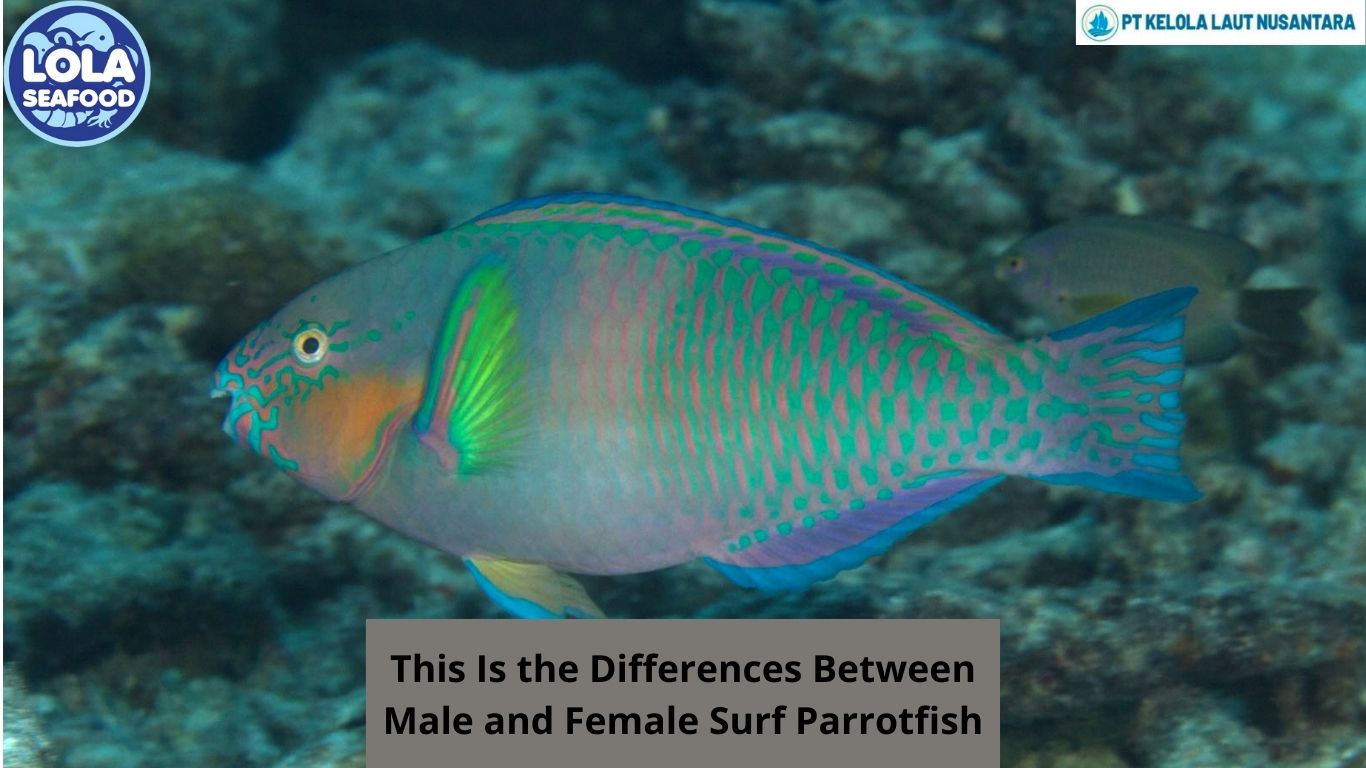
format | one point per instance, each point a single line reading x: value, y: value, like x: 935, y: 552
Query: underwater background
x: 172, y: 600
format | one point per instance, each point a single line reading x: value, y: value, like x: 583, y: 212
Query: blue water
x: 171, y: 599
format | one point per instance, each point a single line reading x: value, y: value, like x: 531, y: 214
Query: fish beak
x: 225, y: 384
x: 229, y: 385
x: 234, y: 413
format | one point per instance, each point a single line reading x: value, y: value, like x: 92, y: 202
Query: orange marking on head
x: 346, y: 423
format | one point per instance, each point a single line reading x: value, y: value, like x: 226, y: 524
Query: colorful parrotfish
x: 598, y: 384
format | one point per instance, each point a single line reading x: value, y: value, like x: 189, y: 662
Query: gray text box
x: 678, y: 692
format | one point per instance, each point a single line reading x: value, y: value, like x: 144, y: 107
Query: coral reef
x: 447, y: 139
x: 172, y: 600
x: 263, y: 255
x: 25, y: 742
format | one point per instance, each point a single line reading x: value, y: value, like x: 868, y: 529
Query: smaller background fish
x: 1078, y: 269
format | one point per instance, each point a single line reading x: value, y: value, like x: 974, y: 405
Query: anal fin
x: 799, y: 556
x: 531, y: 590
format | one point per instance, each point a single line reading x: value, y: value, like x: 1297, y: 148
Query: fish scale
x: 616, y: 385
x: 752, y: 481
x: 829, y: 425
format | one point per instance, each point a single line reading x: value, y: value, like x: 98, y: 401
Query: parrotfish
x: 1083, y: 267
x: 605, y: 385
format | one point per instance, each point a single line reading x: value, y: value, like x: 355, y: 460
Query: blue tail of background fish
x: 1125, y: 368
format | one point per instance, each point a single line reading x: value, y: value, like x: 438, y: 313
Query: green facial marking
x: 280, y: 461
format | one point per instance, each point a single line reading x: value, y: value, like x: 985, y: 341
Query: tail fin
x: 1275, y: 312
x: 1125, y: 367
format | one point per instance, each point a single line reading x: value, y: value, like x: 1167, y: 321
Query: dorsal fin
x: 474, y: 410
x: 857, y: 279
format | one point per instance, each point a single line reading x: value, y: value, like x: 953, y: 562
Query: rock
x: 892, y: 64
x: 218, y: 74
x: 858, y: 220
x: 262, y: 255
x: 117, y: 574
x: 1186, y: 727
x: 1312, y: 455
x: 121, y: 402
x: 446, y: 139
x: 746, y: 38
x: 174, y: 600
x: 882, y: 60
x: 1088, y: 757
x: 1327, y: 391
x: 26, y: 744
x: 954, y: 197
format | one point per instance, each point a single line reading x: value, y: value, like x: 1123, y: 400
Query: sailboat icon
x: 1099, y: 22
x: 1100, y: 25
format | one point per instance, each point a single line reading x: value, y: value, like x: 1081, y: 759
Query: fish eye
x: 310, y: 346
x: 1015, y: 263
x: 1062, y: 297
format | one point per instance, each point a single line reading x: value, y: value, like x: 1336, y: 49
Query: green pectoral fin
x: 532, y: 591
x: 474, y: 410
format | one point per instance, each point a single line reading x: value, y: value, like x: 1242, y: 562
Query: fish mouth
x: 228, y: 384
x: 237, y: 408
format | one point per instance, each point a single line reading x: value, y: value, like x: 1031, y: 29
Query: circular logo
x: 1100, y: 22
x: 76, y: 73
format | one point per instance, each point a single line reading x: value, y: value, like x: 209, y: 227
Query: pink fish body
x: 597, y: 384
